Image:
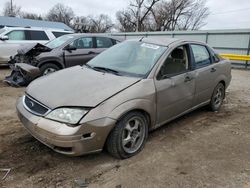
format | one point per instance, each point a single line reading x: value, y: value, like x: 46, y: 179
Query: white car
x: 13, y: 38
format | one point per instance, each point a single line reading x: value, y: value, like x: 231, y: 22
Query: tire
x: 128, y: 136
x: 48, y: 68
x: 217, y: 97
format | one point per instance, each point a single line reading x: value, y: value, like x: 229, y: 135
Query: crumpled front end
x: 24, y: 65
x: 22, y: 74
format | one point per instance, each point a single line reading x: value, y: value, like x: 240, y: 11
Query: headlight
x: 67, y: 115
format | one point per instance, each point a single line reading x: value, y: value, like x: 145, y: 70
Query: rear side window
x: 103, y: 42
x: 16, y: 35
x: 58, y: 34
x: 201, y: 55
x: 37, y: 35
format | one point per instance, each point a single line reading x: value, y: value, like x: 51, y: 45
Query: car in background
x: 122, y: 94
x: 69, y: 50
x: 14, y: 38
x: 65, y: 51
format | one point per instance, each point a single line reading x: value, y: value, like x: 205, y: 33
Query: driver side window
x: 17, y: 35
x: 82, y: 43
x: 176, y: 63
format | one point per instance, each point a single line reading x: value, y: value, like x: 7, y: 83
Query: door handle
x: 91, y: 52
x: 188, y: 79
x: 213, y: 69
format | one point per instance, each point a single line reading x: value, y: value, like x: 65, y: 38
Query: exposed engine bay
x: 24, y: 65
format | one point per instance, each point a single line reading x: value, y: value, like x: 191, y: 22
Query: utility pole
x: 11, y: 8
x: 138, y: 15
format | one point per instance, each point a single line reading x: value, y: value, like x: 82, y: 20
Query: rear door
x: 175, y: 85
x: 17, y: 38
x: 206, y: 73
x: 103, y: 43
x: 85, y: 51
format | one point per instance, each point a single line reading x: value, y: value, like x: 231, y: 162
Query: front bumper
x: 73, y: 141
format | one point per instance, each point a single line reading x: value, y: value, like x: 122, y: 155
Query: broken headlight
x: 67, y: 115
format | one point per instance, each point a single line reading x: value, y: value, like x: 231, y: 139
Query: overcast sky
x: 224, y: 14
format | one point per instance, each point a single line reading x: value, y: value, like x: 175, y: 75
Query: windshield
x: 59, y: 41
x: 131, y: 57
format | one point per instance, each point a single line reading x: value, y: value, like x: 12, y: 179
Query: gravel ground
x: 200, y: 149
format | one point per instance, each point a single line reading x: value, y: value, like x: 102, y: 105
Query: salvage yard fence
x: 233, y: 44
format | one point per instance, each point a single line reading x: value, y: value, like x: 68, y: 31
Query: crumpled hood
x: 33, y: 49
x: 77, y: 86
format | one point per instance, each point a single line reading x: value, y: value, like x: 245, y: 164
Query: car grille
x: 34, y: 106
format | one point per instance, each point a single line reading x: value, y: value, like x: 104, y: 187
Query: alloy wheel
x: 133, y: 135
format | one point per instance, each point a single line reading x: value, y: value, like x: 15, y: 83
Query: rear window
x: 58, y: 34
x: 201, y: 55
x: 37, y: 35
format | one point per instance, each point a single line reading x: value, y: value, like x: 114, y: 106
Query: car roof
x: 161, y: 41
x: 164, y: 41
x: 21, y: 22
x: 36, y: 29
x: 94, y: 35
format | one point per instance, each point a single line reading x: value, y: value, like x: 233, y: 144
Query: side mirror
x: 5, y: 37
x: 70, y: 48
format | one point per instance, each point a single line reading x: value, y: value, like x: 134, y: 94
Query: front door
x: 175, y: 85
x: 84, y: 52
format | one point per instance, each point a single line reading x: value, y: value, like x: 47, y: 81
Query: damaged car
x: 36, y: 60
x: 119, y: 96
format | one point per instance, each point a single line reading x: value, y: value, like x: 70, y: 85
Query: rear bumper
x: 73, y: 141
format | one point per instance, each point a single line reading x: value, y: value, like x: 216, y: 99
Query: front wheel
x: 129, y: 136
x: 217, y: 97
x: 48, y: 68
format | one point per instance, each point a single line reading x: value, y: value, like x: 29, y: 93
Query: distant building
x: 20, y: 22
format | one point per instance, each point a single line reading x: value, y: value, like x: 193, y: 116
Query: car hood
x: 33, y: 49
x: 77, y: 86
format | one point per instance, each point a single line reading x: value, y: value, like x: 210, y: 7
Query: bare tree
x: 94, y: 24
x: 60, y: 13
x: 11, y: 9
x: 162, y: 15
x: 135, y: 16
x: 195, y: 16
x: 179, y: 15
x: 32, y: 16
x: 126, y: 21
x: 100, y: 24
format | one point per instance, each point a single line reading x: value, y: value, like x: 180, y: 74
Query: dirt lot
x: 201, y: 149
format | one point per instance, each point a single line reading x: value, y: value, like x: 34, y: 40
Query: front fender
x: 58, y: 61
x: 136, y: 104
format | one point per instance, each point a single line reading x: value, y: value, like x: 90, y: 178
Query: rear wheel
x: 48, y: 68
x: 129, y: 136
x: 217, y: 97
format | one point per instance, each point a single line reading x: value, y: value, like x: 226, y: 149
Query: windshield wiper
x: 107, y: 70
x: 88, y: 66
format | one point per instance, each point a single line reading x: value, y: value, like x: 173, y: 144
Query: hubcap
x: 49, y: 71
x: 133, y: 135
x: 218, y: 98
